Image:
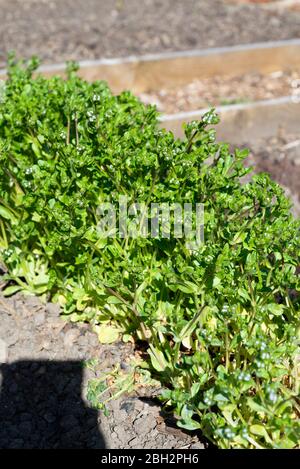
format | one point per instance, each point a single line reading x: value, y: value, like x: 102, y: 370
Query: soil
x: 43, y: 387
x: 218, y: 91
x: 59, y: 30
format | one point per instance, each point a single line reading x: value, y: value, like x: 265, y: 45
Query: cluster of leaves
x: 221, y: 322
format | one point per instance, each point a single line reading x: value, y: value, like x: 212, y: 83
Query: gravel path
x: 43, y: 387
x: 58, y: 30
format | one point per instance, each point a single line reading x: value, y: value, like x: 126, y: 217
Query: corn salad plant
x: 221, y: 322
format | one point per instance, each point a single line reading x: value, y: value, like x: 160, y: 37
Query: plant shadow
x: 41, y: 407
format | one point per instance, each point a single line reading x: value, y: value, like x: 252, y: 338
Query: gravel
x: 218, y: 91
x: 44, y: 375
x: 59, y: 30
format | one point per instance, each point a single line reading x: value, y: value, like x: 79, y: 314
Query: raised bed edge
x: 155, y: 71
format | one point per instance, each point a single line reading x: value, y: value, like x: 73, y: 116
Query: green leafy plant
x: 221, y: 322
x: 117, y: 382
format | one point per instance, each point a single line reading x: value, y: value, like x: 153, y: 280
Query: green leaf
x: 276, y: 309
x: 7, y: 214
x: 158, y: 360
x: 113, y: 300
x: 260, y: 431
x: 8, y: 291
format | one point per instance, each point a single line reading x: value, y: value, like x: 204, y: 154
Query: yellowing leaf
x: 128, y: 338
x: 107, y: 333
x: 216, y: 281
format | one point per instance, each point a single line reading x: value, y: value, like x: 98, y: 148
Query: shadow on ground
x: 41, y: 407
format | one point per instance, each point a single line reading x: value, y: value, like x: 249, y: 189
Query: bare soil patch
x: 60, y: 30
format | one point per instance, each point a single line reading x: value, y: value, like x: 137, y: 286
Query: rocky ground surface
x: 59, y: 30
x: 217, y: 91
x: 280, y: 157
x: 44, y: 375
